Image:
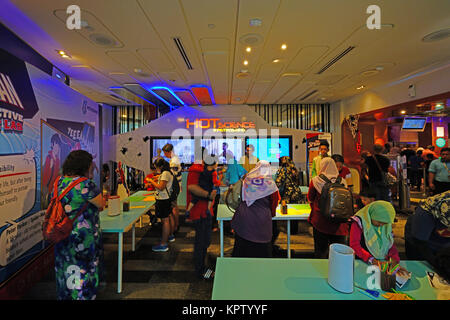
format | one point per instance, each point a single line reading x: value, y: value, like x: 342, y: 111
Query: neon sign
x: 217, y: 125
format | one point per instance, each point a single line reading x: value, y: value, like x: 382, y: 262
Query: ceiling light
x: 255, y: 22
x: 360, y: 87
x: 403, y: 111
x: 248, y: 49
x: 245, y: 62
x: 61, y: 52
x: 283, y: 46
x: 211, y: 26
x: 275, y: 60
x: 379, y: 68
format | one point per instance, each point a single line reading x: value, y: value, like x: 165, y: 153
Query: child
x: 371, y: 235
x: 152, y: 176
x: 207, y: 181
x: 366, y: 197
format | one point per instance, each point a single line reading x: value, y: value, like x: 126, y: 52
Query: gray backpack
x: 233, y: 196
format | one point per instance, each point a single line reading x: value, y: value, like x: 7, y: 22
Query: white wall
x: 427, y: 83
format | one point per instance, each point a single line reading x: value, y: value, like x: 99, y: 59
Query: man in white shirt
x: 175, y: 167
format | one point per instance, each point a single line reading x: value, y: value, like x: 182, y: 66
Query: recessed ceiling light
x: 283, y: 46
x: 245, y: 62
x: 275, y: 60
x: 211, y: 26
x: 403, y: 111
x: 360, y: 87
x: 379, y: 68
x: 248, y: 49
x: 61, y: 52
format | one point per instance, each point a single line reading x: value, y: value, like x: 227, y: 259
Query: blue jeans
x: 203, y: 232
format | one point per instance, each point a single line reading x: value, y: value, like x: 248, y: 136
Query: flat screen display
x: 224, y: 148
x: 183, y: 148
x: 414, y: 124
x: 271, y: 149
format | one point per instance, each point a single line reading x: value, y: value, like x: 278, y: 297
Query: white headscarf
x: 258, y: 183
x: 329, y: 169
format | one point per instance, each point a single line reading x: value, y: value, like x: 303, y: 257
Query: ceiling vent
x: 102, y: 40
x: 183, y: 53
x: 335, y: 59
x: 251, y: 39
x: 308, y: 95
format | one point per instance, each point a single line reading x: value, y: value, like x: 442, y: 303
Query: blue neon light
x: 162, y: 99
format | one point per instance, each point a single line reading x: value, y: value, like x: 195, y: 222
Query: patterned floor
x: 170, y: 275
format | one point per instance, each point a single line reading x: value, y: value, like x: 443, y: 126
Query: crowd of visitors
x: 368, y: 231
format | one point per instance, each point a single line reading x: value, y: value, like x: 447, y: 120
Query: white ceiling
x: 213, y: 33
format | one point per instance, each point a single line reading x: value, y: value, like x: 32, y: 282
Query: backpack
x: 336, y: 201
x: 173, y: 196
x: 57, y: 225
x: 233, y: 196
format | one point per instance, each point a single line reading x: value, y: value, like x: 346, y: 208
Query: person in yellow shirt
x: 324, y: 147
x: 248, y: 161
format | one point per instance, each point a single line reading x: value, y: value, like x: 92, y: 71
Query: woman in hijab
x: 325, y: 231
x: 427, y: 231
x: 371, y: 233
x: 252, y: 221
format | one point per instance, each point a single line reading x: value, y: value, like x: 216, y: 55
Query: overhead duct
x: 183, y: 54
x: 335, y: 59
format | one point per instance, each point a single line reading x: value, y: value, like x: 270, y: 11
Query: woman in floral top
x: 77, y: 258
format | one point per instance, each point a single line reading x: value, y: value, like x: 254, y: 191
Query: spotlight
x: 139, y: 154
x: 146, y: 138
x: 124, y: 150
x: 130, y: 138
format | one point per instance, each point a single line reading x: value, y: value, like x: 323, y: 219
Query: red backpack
x: 57, y: 225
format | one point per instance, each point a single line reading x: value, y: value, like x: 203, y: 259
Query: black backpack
x: 336, y: 201
x: 173, y: 196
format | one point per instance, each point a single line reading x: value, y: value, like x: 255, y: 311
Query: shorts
x: 163, y: 208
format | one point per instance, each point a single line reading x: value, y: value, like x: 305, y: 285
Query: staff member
x: 324, y: 147
x: 439, y: 172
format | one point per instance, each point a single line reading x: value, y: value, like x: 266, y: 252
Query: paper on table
x: 400, y: 279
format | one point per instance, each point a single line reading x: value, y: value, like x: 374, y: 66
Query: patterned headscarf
x: 258, y: 183
x: 329, y: 169
x: 378, y: 239
x: 439, y: 207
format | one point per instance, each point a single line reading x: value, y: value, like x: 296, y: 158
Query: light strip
x: 162, y: 99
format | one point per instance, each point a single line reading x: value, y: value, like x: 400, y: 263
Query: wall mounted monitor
x: 414, y: 124
x: 234, y: 148
x: 183, y: 148
x: 271, y: 149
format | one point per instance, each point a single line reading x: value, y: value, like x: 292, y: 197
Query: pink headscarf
x: 329, y: 169
x: 258, y: 183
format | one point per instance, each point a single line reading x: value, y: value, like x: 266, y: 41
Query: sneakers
x: 171, y: 238
x: 160, y: 248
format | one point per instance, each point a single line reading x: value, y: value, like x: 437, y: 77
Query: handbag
x: 388, y: 179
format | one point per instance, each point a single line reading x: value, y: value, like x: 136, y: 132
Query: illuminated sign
x: 218, y: 125
x: 440, y: 142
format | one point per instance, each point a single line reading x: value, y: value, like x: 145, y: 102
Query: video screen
x: 225, y: 149
x: 183, y: 148
x: 414, y: 124
x: 271, y: 149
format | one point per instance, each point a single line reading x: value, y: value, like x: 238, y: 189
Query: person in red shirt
x: 344, y: 172
x: 151, y: 176
x: 325, y: 231
x: 201, y: 218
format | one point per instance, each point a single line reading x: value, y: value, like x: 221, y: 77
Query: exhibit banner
x: 36, y: 135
